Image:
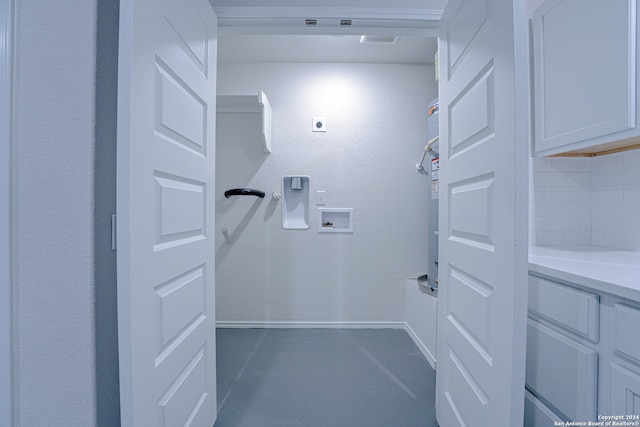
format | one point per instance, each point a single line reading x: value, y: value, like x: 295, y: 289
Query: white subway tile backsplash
x: 598, y: 179
x: 585, y: 165
x: 565, y: 164
x: 606, y: 223
x: 584, y: 194
x: 599, y: 210
x: 540, y: 164
x: 550, y: 209
x: 586, y: 201
x: 578, y: 179
x: 577, y: 209
x: 577, y: 238
x: 551, y: 238
x: 598, y: 238
x: 624, y: 176
x: 549, y: 179
x: 624, y: 241
x: 542, y: 223
x: 606, y: 163
x: 559, y: 194
x: 567, y: 223
x: 541, y: 194
x: 607, y: 193
x: 631, y: 226
x: 631, y: 211
x: 631, y: 159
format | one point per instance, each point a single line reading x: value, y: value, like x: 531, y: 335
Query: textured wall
x: 53, y: 202
x: 376, y: 130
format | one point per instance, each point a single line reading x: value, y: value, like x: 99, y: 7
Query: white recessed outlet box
x: 319, y: 124
x: 335, y: 220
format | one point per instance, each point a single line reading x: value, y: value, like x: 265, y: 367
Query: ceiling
x: 263, y: 30
x: 394, y: 4
x: 279, y: 48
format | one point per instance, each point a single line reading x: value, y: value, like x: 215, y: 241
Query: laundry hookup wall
x: 375, y: 124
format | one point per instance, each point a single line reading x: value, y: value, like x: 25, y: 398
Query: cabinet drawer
x: 561, y: 371
x: 625, y: 391
x: 574, y: 310
x: 625, y: 333
x: 536, y: 413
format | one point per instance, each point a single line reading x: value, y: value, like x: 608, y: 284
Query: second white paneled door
x: 483, y: 214
x: 166, y: 169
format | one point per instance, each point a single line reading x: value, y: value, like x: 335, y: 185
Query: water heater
x: 433, y: 193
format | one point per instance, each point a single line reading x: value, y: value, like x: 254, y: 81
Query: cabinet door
x: 562, y: 371
x: 625, y: 391
x: 584, y: 73
x: 537, y: 414
x: 574, y: 310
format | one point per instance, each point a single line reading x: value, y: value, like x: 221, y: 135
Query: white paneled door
x: 483, y: 214
x: 166, y: 130
x: 6, y: 291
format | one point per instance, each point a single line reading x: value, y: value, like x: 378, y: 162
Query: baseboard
x: 311, y: 325
x: 231, y: 324
x: 423, y: 349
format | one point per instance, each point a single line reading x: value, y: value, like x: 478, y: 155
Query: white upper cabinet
x: 584, y: 76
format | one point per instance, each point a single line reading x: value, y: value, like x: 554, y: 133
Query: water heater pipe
x: 427, y: 148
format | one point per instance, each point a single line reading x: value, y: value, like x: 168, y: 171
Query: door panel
x: 166, y: 298
x: 483, y: 247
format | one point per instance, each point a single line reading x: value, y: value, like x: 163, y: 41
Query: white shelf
x: 249, y: 104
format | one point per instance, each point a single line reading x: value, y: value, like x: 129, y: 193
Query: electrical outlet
x: 319, y: 124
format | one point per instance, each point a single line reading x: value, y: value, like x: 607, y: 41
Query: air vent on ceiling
x: 379, y: 39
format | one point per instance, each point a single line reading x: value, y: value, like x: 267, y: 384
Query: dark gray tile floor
x: 322, y: 378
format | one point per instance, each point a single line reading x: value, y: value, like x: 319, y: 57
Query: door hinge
x: 114, y: 223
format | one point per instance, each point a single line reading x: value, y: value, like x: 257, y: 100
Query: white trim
x: 369, y: 13
x: 310, y: 325
x: 6, y: 294
x: 423, y: 348
x: 291, y: 21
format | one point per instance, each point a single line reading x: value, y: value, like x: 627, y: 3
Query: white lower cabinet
x: 583, y: 354
x: 562, y: 372
x: 536, y: 413
x: 625, y: 391
x: 625, y: 366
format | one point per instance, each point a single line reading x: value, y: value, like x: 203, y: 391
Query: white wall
x: 376, y: 130
x: 53, y: 213
x: 586, y: 201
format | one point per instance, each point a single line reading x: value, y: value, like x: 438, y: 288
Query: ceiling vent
x: 379, y: 39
